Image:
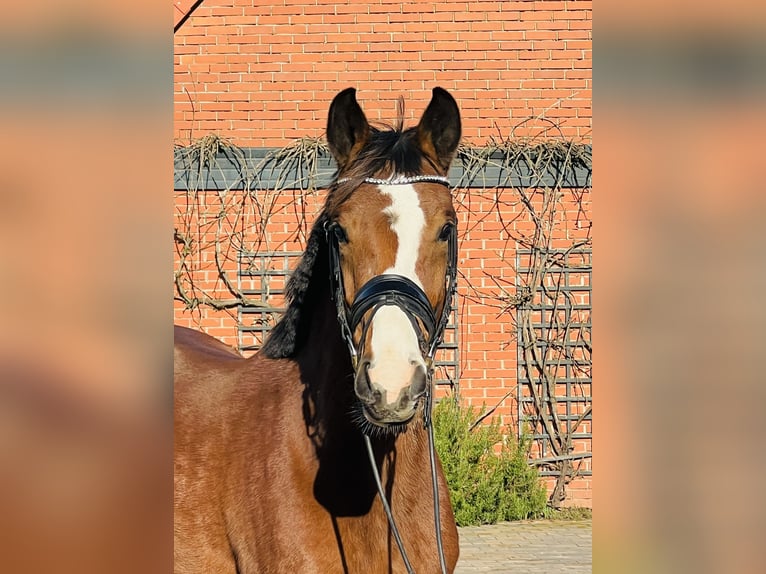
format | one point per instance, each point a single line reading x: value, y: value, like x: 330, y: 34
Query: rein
x: 399, y: 291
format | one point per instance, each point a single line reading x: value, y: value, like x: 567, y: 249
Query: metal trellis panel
x: 560, y: 312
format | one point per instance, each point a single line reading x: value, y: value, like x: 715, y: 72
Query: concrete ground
x: 529, y: 547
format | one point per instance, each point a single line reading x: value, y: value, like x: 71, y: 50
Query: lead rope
x: 387, y: 508
x: 434, y: 484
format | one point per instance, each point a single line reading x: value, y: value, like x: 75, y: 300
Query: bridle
x: 392, y: 289
x: 396, y: 290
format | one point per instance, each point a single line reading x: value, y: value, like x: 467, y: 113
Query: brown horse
x: 271, y: 468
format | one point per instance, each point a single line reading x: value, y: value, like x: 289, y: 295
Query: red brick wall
x: 263, y: 75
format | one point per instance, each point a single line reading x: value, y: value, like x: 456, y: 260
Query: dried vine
x: 236, y: 221
x: 546, y: 339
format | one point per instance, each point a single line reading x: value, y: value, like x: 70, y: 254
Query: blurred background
x: 86, y: 299
x: 85, y: 287
x: 679, y: 275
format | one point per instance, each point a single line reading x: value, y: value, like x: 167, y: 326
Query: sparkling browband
x: 401, y: 180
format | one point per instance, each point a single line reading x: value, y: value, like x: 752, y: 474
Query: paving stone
x: 531, y: 547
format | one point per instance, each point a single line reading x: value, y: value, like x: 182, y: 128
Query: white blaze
x: 394, y: 344
x: 407, y: 221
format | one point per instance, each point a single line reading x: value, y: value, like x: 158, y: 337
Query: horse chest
x: 290, y: 530
x: 320, y: 544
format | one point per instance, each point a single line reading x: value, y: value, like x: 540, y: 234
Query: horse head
x: 391, y: 230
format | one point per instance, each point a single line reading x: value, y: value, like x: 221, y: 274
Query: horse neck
x: 330, y: 408
x: 325, y: 366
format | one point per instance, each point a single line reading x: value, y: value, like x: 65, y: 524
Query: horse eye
x: 340, y: 233
x: 446, y: 231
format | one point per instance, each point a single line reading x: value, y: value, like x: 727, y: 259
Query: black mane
x: 300, y: 293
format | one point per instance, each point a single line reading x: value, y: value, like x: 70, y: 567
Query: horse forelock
x: 388, y: 152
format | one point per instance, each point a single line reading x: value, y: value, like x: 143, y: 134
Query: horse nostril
x: 419, y: 383
x: 363, y: 386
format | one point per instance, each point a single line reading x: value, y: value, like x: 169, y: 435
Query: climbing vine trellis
x: 552, y: 329
x: 238, y: 219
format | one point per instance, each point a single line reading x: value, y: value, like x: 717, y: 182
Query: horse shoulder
x: 205, y: 373
x: 237, y: 424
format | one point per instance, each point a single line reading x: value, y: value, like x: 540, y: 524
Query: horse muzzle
x: 382, y: 409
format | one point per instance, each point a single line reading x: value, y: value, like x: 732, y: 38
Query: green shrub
x: 485, y: 487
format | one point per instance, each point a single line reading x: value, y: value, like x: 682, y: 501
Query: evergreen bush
x: 485, y: 486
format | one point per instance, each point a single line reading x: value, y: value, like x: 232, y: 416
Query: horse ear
x: 347, y: 127
x: 439, y: 128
